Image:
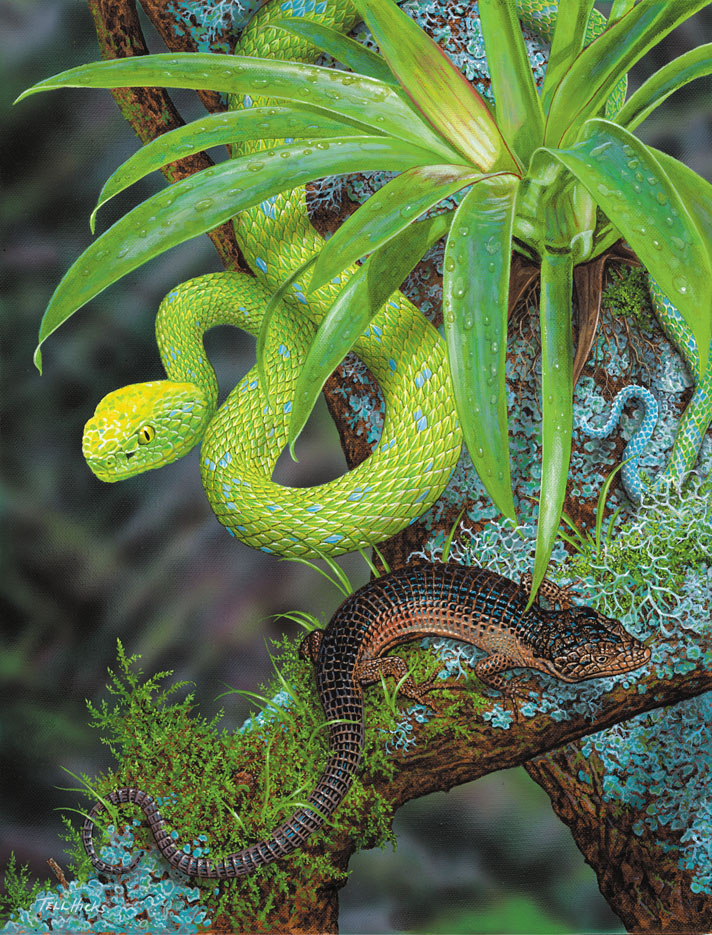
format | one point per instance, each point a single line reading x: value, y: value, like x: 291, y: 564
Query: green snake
x: 147, y: 425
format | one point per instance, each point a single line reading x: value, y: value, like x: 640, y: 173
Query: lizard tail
x: 346, y: 743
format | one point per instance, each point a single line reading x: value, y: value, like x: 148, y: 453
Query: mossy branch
x: 214, y: 787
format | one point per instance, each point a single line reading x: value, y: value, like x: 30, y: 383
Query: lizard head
x: 144, y: 426
x: 585, y: 644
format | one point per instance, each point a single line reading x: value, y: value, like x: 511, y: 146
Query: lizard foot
x: 371, y: 671
x: 550, y: 590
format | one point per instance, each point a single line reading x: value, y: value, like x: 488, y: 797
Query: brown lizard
x: 477, y: 606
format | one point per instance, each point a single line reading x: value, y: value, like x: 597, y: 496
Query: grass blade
x: 386, y: 213
x: 436, y: 87
x: 295, y: 121
x: 447, y: 545
x: 382, y: 557
x: 370, y: 563
x: 337, y: 581
x: 475, y: 305
x: 518, y: 109
x: 346, y: 585
x: 580, y: 542
x: 557, y: 403
x: 383, y: 107
x: 348, y: 51
x: 676, y: 74
x: 572, y: 17
x: 632, y: 189
x: 203, y: 201
x: 303, y: 618
x: 601, y: 505
x: 357, y: 303
x: 583, y: 91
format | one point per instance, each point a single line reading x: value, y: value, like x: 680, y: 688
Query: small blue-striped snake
x: 693, y: 424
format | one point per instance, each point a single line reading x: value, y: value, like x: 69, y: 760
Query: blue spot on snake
x: 267, y: 208
x: 423, y: 376
x: 421, y: 421
x: 261, y: 263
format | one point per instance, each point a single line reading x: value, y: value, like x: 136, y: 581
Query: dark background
x: 84, y: 562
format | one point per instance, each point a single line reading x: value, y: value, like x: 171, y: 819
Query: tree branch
x: 462, y: 745
x: 150, y: 111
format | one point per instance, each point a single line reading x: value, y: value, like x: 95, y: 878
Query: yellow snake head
x: 144, y: 426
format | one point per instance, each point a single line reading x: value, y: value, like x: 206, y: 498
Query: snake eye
x: 146, y: 434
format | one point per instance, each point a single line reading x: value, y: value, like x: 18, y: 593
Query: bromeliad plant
x: 545, y: 174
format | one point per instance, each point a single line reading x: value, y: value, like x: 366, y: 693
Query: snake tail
x: 630, y: 473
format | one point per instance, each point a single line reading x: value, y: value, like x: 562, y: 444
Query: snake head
x: 589, y: 645
x: 144, y: 426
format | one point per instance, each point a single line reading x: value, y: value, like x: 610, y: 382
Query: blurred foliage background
x: 145, y: 561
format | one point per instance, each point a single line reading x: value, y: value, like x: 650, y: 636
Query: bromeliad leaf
x: 475, y: 305
x: 676, y: 74
x: 296, y: 121
x: 582, y: 92
x: 632, y: 189
x: 520, y: 117
x: 619, y: 10
x: 383, y: 107
x: 695, y: 192
x: 204, y: 200
x: 557, y: 403
x: 266, y: 322
x: 386, y: 213
x: 340, y: 47
x: 572, y: 18
x: 436, y: 87
x: 367, y: 289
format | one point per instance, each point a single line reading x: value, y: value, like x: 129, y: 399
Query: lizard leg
x: 371, y: 670
x: 309, y: 646
x: 551, y: 591
x: 489, y: 670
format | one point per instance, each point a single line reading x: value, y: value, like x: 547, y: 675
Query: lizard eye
x: 146, y: 434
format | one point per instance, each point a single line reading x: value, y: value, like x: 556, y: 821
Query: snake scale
x: 147, y: 425
x: 475, y: 605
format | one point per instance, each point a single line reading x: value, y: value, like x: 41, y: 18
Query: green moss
x: 18, y: 893
x: 235, y: 788
x: 674, y: 538
x: 628, y: 296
